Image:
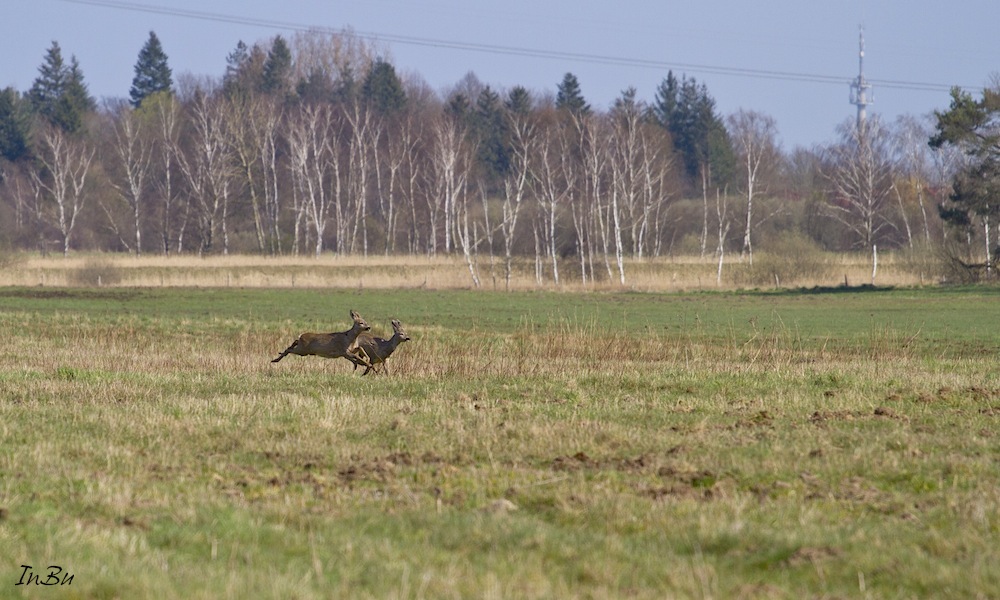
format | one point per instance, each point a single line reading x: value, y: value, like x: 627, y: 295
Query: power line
x: 520, y: 51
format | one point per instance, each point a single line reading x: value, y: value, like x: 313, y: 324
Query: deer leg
x: 360, y: 358
x: 285, y: 352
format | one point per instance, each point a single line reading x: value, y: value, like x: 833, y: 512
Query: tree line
x: 317, y: 144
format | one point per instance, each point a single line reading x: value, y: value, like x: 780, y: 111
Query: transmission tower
x: 860, y: 88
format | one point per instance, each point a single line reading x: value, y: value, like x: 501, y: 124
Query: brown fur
x: 342, y: 344
x: 379, y: 349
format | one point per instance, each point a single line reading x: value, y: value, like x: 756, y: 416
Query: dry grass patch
x: 672, y: 274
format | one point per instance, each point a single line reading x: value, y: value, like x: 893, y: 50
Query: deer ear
x: 395, y: 323
x: 354, y: 315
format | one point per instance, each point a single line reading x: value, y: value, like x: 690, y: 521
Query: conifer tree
x: 519, y: 100
x: 458, y: 106
x: 152, y: 73
x: 971, y: 126
x: 383, y: 89
x: 569, y: 97
x: 244, y: 70
x: 687, y: 111
x: 14, y: 123
x: 489, y: 128
x: 277, y: 68
x: 75, y: 101
x: 50, y: 84
x: 59, y: 93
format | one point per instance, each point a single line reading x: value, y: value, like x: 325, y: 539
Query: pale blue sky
x: 791, y: 59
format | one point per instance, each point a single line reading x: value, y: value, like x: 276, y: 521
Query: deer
x: 377, y: 349
x: 342, y: 344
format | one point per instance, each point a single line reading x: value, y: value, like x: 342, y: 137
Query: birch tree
x: 251, y: 132
x: 133, y: 151
x: 312, y: 156
x: 207, y: 170
x: 861, y: 177
x: 365, y: 129
x: 173, y: 210
x: 555, y: 181
x: 449, y: 164
x: 913, y: 160
x: 393, y: 174
x: 65, y: 162
x: 523, y: 139
x: 626, y: 166
x: 753, y: 135
x: 589, y: 215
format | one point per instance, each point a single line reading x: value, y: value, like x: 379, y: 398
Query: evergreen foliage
x: 382, y: 88
x: 973, y: 126
x: 458, y: 106
x: 519, y: 101
x: 50, y: 84
x: 490, y: 130
x: 277, y: 72
x: 345, y: 87
x: 315, y: 87
x: 14, y: 126
x: 687, y: 111
x: 570, y: 98
x: 59, y: 93
x: 152, y: 73
x: 244, y: 70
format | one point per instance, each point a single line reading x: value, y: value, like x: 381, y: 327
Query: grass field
x: 828, y: 443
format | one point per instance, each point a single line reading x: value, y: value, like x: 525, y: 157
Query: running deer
x: 379, y: 349
x: 332, y: 345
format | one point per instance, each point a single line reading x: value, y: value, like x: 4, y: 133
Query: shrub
x: 784, y: 260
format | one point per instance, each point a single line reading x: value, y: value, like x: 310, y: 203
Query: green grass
x: 823, y: 443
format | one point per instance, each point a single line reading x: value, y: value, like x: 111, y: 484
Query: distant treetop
x: 59, y: 93
x: 570, y: 98
x: 152, y: 74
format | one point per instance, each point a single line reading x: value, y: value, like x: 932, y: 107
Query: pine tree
x: 316, y: 87
x: 490, y: 129
x: 14, y: 123
x: 383, y: 89
x: 59, y: 93
x: 345, y: 87
x: 152, y: 74
x: 75, y: 100
x: 687, y: 111
x: 244, y: 70
x: 50, y: 84
x: 569, y: 97
x: 971, y: 126
x: 519, y: 100
x: 458, y: 106
x: 277, y: 68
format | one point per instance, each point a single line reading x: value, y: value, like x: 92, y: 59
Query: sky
x: 791, y: 59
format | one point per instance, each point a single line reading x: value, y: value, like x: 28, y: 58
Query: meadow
x: 826, y: 442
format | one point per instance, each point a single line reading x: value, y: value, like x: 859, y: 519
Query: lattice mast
x: 861, y: 90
